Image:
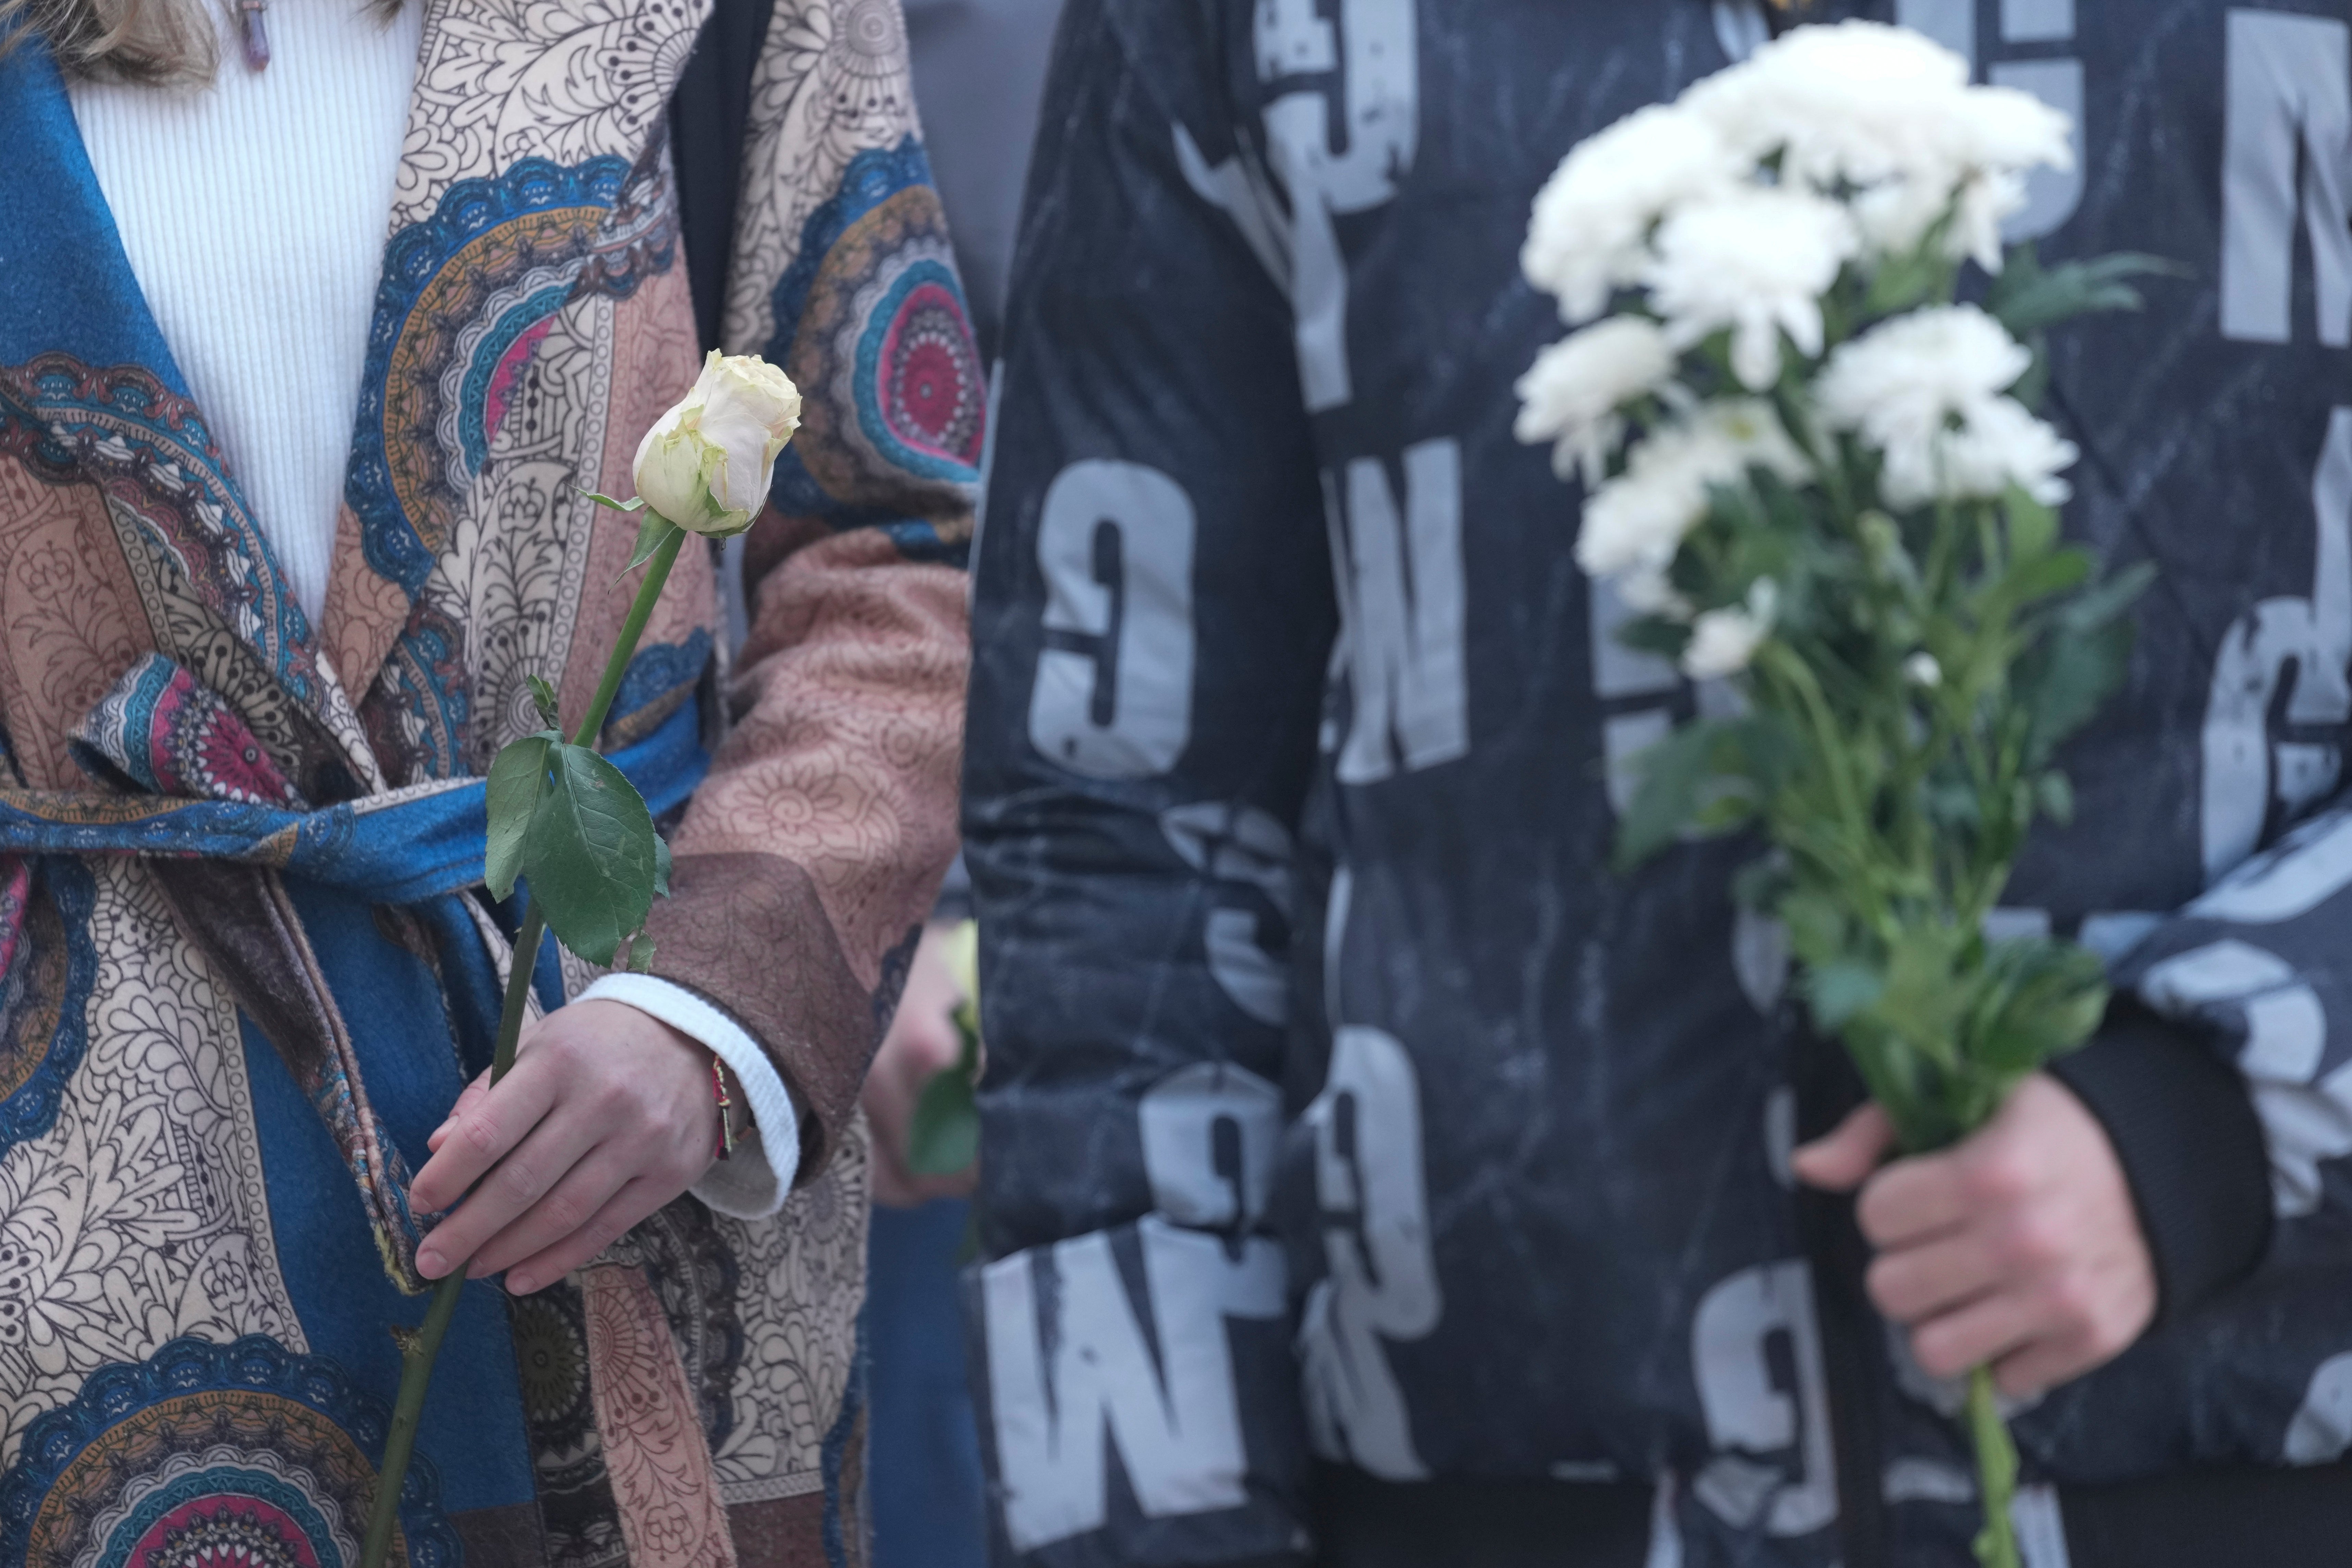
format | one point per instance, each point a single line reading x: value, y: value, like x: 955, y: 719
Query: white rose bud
x: 706, y: 466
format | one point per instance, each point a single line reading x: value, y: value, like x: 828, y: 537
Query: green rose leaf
x: 661, y: 867
x: 591, y: 854
x: 655, y: 529
x: 516, y: 778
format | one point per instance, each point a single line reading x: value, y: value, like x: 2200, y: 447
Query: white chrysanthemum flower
x: 1860, y: 102
x: 1634, y: 524
x: 1890, y: 115
x: 1906, y: 379
x: 1586, y: 236
x: 1894, y: 215
x: 1647, y: 591
x: 1756, y: 260
x: 1572, y: 394
x: 1997, y: 129
x: 1722, y: 642
x: 1926, y: 389
x: 2002, y: 444
x: 1921, y: 670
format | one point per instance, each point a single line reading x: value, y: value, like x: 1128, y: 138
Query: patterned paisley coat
x: 245, y: 966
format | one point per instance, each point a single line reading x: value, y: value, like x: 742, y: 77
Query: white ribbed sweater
x: 254, y: 214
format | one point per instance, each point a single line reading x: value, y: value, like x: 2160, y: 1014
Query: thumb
x: 1844, y: 1160
x: 473, y: 1096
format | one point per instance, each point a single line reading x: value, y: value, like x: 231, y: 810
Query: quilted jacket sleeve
x: 807, y: 859
x: 2259, y: 969
x: 1152, y: 624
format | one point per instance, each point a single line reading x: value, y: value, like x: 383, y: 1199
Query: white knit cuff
x: 755, y: 1183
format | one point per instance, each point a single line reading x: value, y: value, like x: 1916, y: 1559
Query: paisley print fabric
x: 207, y: 1454
x: 245, y: 961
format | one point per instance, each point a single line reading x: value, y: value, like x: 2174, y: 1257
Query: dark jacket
x: 1467, y: 1159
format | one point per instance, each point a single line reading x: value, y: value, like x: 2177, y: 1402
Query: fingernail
x: 520, y: 1284
x: 429, y: 1263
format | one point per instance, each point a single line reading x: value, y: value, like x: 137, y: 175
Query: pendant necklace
x: 253, y: 30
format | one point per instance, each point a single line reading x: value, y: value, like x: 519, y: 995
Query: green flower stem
x: 665, y: 556
x: 420, y: 1349
x: 1996, y: 1473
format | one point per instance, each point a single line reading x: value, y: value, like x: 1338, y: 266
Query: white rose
x: 1758, y: 260
x: 1921, y: 670
x: 1586, y: 236
x: 706, y: 465
x: 1571, y: 394
x: 1722, y: 642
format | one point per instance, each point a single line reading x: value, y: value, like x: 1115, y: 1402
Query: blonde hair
x: 158, y: 42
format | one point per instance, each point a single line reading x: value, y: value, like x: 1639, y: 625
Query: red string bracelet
x: 725, y: 1108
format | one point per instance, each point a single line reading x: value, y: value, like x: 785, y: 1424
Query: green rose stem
x: 421, y: 1346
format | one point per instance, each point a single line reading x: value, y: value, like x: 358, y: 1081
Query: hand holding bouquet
x: 1811, y: 473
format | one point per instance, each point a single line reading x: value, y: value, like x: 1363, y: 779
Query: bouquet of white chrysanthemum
x: 1811, y: 473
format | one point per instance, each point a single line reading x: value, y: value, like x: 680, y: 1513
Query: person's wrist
x: 2185, y: 1131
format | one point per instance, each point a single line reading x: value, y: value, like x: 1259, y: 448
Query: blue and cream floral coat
x: 244, y: 963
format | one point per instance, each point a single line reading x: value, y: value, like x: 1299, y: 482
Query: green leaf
x: 1904, y: 281
x: 943, y: 1133
x: 2044, y: 575
x: 1837, y: 991
x: 517, y: 775
x: 590, y: 853
x: 615, y: 505
x: 2099, y: 607
x: 1655, y: 635
x: 2040, y: 999
x: 1671, y: 773
x: 2033, y: 527
x: 2029, y: 298
x: 650, y: 537
x: 542, y: 696
x: 2061, y: 682
x: 641, y: 954
x: 2055, y: 793
x: 1760, y: 883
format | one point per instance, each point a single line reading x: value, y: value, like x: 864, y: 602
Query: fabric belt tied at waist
x: 203, y: 801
